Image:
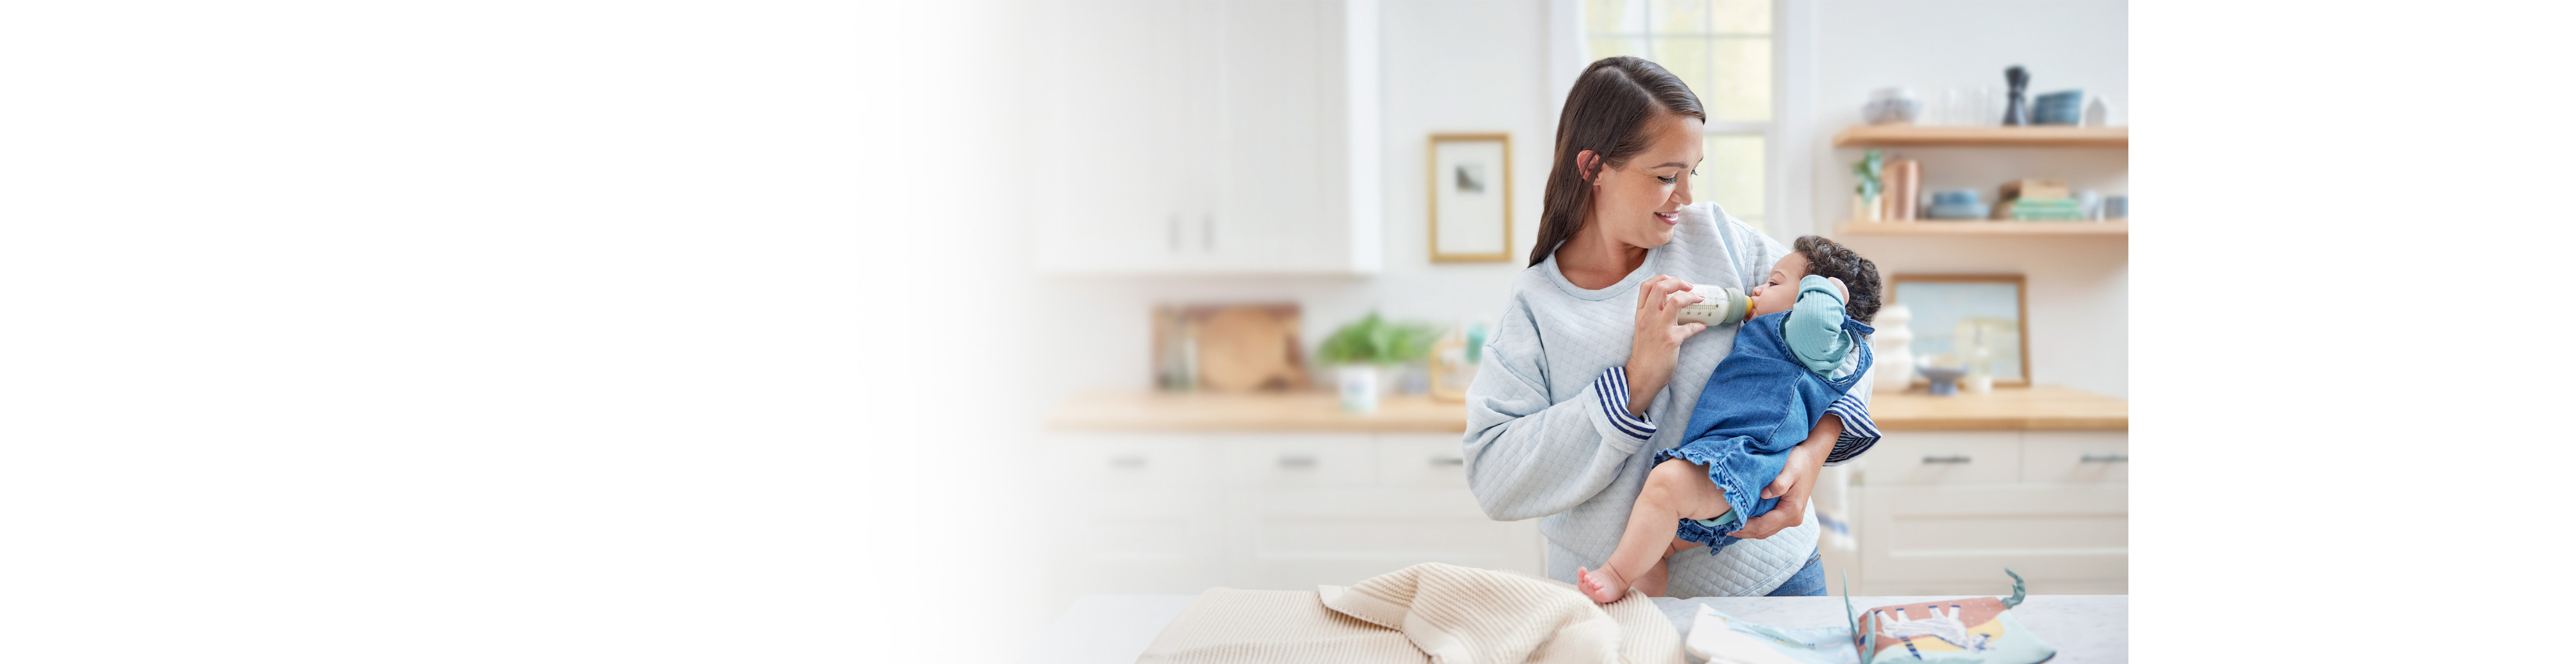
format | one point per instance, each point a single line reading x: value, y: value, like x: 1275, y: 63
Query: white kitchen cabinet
x: 1206, y: 137
x: 1945, y: 512
x: 1179, y: 513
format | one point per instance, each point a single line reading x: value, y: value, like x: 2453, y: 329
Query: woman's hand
x: 1797, y: 481
x: 1658, y: 343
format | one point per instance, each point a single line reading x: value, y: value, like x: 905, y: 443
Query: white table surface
x: 1114, y: 629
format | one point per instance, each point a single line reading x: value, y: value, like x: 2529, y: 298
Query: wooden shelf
x: 1986, y: 228
x: 2000, y: 137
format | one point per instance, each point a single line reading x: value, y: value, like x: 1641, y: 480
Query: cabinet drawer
x: 1299, y: 461
x: 1142, y: 523
x: 2062, y: 536
x: 1130, y: 460
x: 2075, y: 457
x: 1944, y: 457
x: 1421, y: 461
x: 1427, y: 524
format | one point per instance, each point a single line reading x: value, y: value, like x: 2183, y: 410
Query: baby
x: 1800, y: 348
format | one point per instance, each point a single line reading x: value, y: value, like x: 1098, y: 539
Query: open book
x: 1978, y: 630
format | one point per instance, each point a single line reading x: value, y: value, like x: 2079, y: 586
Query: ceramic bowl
x: 1945, y: 380
x: 1891, y: 110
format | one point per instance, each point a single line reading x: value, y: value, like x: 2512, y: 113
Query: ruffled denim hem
x: 1716, y: 537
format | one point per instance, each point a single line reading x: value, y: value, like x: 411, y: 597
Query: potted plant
x: 1868, y: 171
x: 1362, y: 350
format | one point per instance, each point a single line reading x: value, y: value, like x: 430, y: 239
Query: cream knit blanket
x: 1432, y: 612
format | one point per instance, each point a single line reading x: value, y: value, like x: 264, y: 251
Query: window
x: 1722, y: 49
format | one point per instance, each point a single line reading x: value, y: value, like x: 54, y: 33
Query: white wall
x: 1448, y: 67
x: 1481, y: 67
x: 2078, y: 287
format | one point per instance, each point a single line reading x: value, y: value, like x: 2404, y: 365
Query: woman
x: 1587, y: 368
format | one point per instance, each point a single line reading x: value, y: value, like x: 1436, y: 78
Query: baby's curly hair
x: 1827, y: 258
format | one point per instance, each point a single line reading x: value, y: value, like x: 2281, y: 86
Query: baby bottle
x: 1717, y: 306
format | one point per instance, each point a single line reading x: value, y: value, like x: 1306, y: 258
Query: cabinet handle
x: 1955, y: 458
x: 1296, y: 461
x: 2106, y: 458
x: 1207, y: 232
x: 1127, y: 461
x: 1175, y: 235
x: 1448, y: 461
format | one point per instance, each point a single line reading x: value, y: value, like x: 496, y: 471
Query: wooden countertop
x: 1143, y: 410
x: 2037, y: 407
x: 2042, y: 407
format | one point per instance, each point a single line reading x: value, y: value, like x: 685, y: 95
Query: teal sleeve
x: 1815, y: 326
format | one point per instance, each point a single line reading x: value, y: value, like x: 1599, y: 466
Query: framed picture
x: 1959, y: 315
x: 1471, y: 197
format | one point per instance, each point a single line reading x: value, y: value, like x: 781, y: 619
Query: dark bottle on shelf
x: 2015, y: 110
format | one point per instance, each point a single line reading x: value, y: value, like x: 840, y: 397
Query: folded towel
x: 1432, y: 612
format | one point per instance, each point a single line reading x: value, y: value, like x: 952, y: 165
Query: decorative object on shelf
x: 1365, y: 350
x: 2015, y: 113
x: 1964, y: 106
x: 2115, y: 207
x: 1956, y: 315
x: 1904, y: 182
x: 1893, y: 345
x: 1940, y: 380
x: 1471, y: 197
x: 1976, y: 338
x: 2058, y: 108
x: 1454, y: 360
x: 2032, y: 199
x: 1865, y: 193
x: 1891, y: 106
x: 2091, y: 202
x: 1957, y: 204
x: 2097, y: 113
x: 2047, y: 209
x: 1227, y: 347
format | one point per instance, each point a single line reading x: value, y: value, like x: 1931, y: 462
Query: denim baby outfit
x: 1764, y: 398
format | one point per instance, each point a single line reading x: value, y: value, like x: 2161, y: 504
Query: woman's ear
x: 1586, y: 163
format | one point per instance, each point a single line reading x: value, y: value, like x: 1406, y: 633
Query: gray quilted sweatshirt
x: 1548, y: 433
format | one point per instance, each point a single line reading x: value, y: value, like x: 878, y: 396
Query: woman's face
x: 1638, y: 204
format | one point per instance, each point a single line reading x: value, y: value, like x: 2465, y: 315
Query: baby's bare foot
x: 1603, y: 586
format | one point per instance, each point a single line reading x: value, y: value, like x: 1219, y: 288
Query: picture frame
x: 1470, y: 197
x: 1947, y: 306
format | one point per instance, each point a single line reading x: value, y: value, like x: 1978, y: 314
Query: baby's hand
x: 1838, y: 284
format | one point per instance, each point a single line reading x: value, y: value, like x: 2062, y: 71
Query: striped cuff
x: 1859, y: 433
x: 1612, y: 386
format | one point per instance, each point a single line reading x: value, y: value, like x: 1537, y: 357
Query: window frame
x: 1788, y: 138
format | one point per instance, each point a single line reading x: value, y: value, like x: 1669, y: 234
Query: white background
x: 647, y: 332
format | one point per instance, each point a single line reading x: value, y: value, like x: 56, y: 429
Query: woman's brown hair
x: 1608, y: 112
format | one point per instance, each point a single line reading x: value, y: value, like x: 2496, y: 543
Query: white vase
x: 1359, y: 384
x: 1893, y: 344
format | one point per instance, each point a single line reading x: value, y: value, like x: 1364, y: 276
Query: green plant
x: 1372, y: 340
x: 1870, y: 166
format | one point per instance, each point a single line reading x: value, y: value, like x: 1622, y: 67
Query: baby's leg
x: 1675, y: 490
x: 1654, y: 582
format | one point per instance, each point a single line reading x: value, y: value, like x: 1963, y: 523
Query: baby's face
x: 1778, y: 290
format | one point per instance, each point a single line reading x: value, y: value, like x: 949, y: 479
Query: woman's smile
x: 1670, y: 218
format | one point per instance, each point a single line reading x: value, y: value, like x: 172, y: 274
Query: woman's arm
x: 1797, y: 480
x: 1859, y: 432
x: 1529, y: 455
x: 1529, y: 458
